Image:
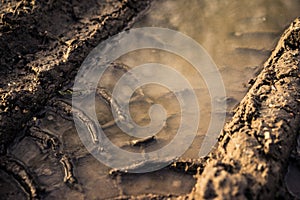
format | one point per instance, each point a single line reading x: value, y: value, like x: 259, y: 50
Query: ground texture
x: 42, y: 44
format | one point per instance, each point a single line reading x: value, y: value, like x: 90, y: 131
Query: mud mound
x: 252, y: 154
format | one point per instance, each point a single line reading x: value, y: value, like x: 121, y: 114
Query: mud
x: 47, y: 159
x: 48, y: 41
x: 251, y: 158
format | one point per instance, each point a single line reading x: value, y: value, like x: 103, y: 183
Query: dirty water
x: 292, y: 177
x: 238, y: 35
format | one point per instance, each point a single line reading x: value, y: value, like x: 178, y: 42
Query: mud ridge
x: 251, y: 158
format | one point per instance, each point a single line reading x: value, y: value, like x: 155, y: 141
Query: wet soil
x: 39, y: 57
x: 253, y: 150
x: 47, y: 159
x: 43, y: 43
x: 238, y: 35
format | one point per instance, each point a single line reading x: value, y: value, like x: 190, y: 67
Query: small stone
x: 47, y: 172
x: 50, y: 117
x: 176, y: 183
x: 267, y: 135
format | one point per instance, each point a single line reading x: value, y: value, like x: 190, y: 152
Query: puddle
x: 238, y: 35
x: 292, y: 178
x: 8, y: 187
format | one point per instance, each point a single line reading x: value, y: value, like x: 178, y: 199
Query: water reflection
x: 238, y: 35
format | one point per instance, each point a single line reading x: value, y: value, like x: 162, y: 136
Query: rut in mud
x: 48, y: 41
x: 50, y: 162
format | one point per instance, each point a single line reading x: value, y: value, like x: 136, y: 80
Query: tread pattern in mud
x: 48, y: 49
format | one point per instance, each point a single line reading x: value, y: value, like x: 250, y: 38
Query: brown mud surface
x: 251, y: 158
x: 43, y: 43
x: 42, y: 46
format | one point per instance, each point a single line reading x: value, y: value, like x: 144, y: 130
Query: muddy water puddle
x: 238, y: 35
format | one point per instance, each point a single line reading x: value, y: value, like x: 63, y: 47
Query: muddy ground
x: 39, y: 57
x: 253, y: 150
x: 44, y: 43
